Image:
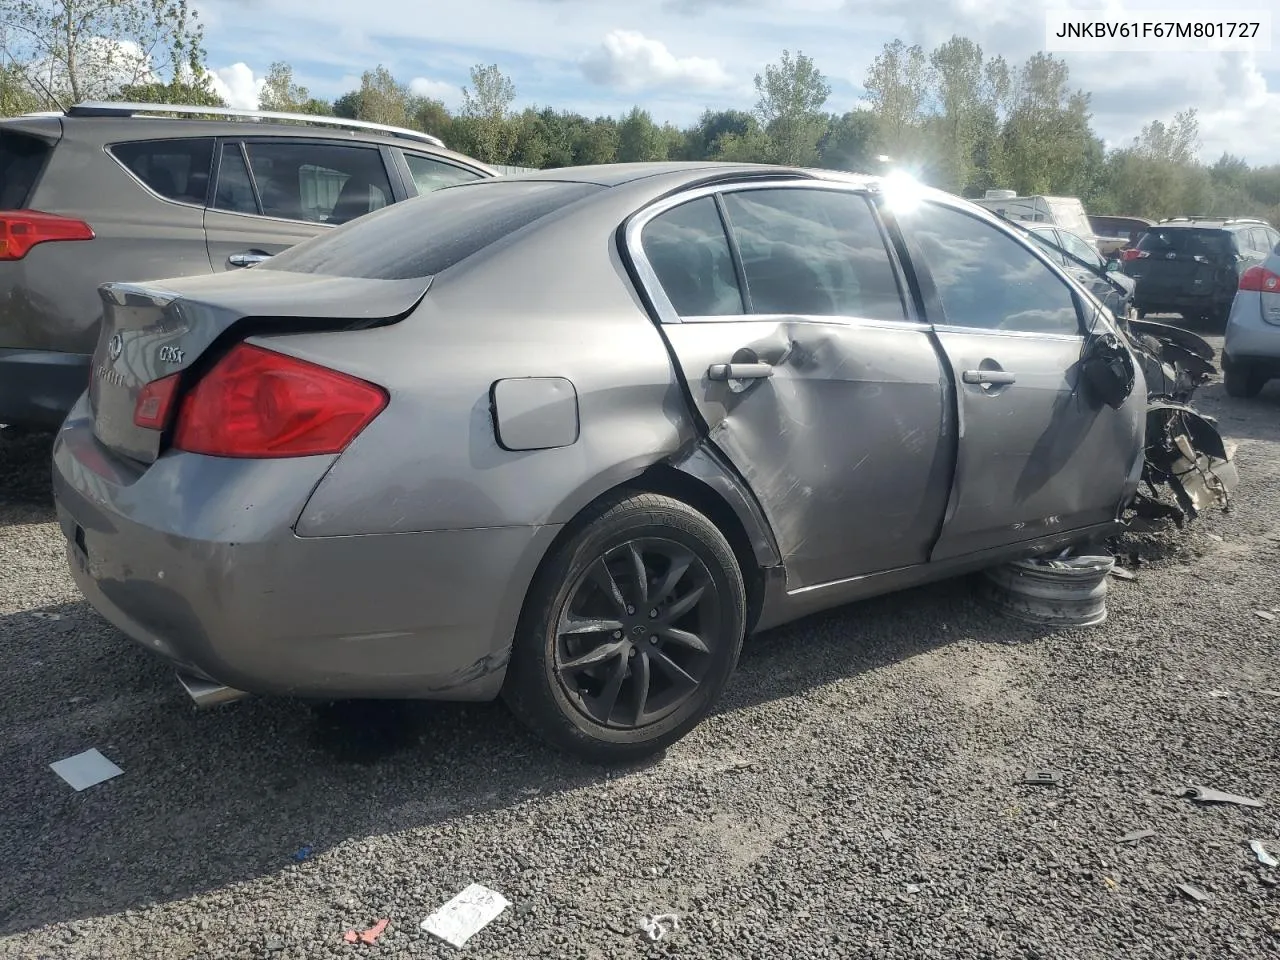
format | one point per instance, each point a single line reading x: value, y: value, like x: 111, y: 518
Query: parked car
x: 1192, y: 265
x: 1251, y: 354
x: 1081, y: 259
x: 1065, y: 212
x: 126, y: 191
x: 1118, y: 233
x: 568, y: 437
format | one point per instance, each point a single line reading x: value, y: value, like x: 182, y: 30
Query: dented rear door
x: 809, y: 371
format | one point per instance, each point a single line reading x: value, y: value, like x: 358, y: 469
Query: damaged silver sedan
x: 569, y: 437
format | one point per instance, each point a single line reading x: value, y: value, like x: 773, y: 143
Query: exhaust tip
x: 206, y: 693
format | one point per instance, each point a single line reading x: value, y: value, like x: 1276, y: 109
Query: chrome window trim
x: 106, y: 148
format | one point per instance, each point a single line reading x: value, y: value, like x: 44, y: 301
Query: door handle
x: 989, y: 376
x: 248, y: 258
x: 740, y: 371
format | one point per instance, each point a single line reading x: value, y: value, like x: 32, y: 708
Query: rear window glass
x: 1186, y: 242
x: 175, y: 169
x: 426, y: 235
x: 21, y: 160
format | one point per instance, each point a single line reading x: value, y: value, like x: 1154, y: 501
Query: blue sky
x: 679, y: 57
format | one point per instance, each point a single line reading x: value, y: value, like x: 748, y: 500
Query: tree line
x: 959, y: 118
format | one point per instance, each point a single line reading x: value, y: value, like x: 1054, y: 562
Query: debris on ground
x: 368, y: 936
x: 1218, y: 694
x: 1264, y: 857
x: 1265, y: 615
x: 465, y: 915
x: 1136, y: 835
x: 1205, y: 795
x: 86, y: 769
x: 1042, y: 778
x: 1123, y: 573
x: 913, y: 888
x: 659, y: 926
x: 46, y: 616
x: 302, y: 853
x: 1195, y: 893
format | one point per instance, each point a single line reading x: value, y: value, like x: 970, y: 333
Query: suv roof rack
x: 106, y: 109
x: 1223, y: 220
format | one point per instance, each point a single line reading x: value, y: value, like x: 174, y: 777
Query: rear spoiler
x: 46, y: 126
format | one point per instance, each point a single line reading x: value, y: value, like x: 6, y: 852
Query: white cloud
x: 628, y: 60
x: 237, y: 85
x: 447, y: 93
x: 540, y: 45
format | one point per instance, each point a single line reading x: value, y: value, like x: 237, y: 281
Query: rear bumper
x: 39, y: 387
x: 1157, y: 301
x: 196, y: 560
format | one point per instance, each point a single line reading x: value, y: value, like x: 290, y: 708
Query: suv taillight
x: 259, y: 403
x: 20, y: 230
x: 1260, y: 280
x: 1132, y: 254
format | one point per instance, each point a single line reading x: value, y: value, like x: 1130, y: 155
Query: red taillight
x: 20, y: 230
x: 1132, y: 254
x: 154, y: 403
x: 1260, y: 280
x: 259, y: 403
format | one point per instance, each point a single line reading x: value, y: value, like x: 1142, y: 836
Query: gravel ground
x: 855, y: 796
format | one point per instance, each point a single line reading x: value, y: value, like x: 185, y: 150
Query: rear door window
x: 175, y: 169
x: 22, y: 158
x: 318, y: 182
x: 689, y: 251
x: 431, y: 174
x: 1045, y: 241
x: 813, y: 253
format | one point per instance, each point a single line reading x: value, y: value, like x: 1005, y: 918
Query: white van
x: 1065, y: 212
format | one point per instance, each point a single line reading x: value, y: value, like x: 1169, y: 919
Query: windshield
x: 1186, y: 242
x: 424, y: 236
x: 1068, y: 213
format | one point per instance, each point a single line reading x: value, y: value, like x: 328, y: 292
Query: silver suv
x: 132, y: 192
x: 1251, y: 355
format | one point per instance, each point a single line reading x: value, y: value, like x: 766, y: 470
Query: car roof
x: 108, y: 123
x: 1206, y: 223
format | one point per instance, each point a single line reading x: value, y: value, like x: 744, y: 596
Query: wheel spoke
x: 608, y: 698
x: 601, y: 654
x: 641, y: 575
x: 682, y: 606
x: 672, y: 669
x: 685, y: 639
x: 579, y: 625
x: 675, y: 573
x: 640, y: 677
x: 603, y: 579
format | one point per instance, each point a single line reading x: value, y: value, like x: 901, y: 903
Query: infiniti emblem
x: 115, y: 346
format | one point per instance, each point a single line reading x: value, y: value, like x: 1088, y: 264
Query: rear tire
x: 611, y: 666
x: 1243, y: 382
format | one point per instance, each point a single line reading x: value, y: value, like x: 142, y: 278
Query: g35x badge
x: 171, y: 354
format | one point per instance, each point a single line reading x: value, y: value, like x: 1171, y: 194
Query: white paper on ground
x: 85, y: 769
x: 465, y: 915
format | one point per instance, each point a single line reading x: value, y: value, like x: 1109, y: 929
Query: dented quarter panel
x: 845, y: 446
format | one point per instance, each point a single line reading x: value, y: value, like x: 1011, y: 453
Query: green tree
x: 281, y: 94
x: 957, y: 74
x: 1048, y: 142
x: 486, y: 104
x: 792, y: 93
x: 197, y: 94
x: 897, y: 85
x: 639, y: 138
x: 382, y: 98
x: 431, y: 116
x: 16, y: 95
x: 849, y: 143
x: 90, y: 49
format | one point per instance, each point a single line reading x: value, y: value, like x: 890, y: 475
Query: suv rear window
x: 1187, y: 242
x: 426, y: 235
x: 21, y: 159
x: 175, y: 169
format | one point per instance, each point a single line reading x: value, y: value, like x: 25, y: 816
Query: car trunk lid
x: 153, y: 331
